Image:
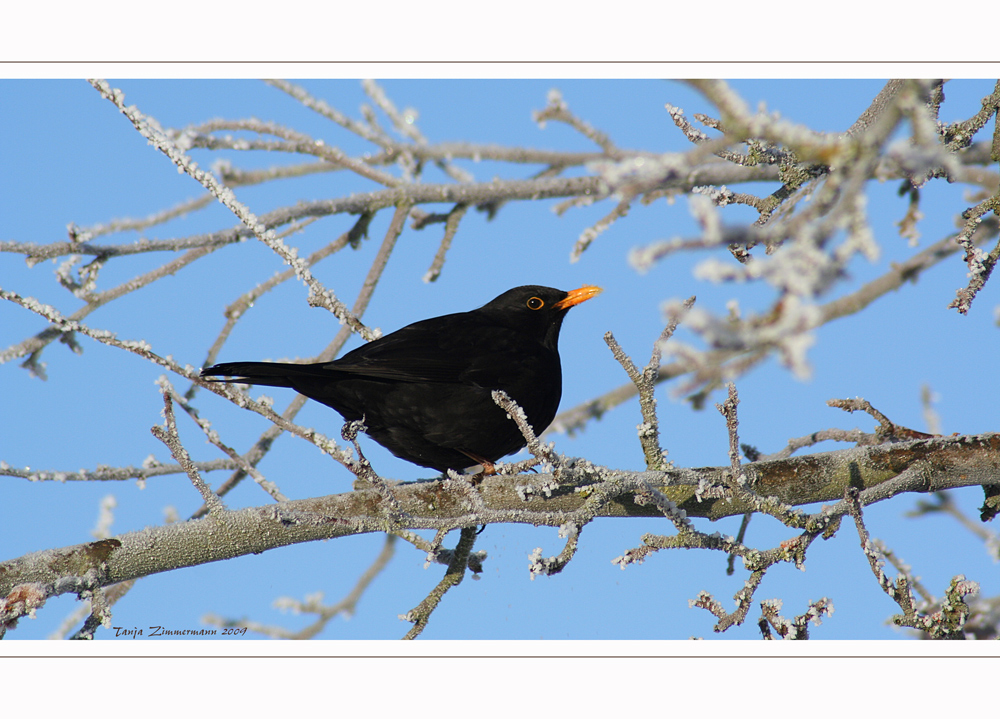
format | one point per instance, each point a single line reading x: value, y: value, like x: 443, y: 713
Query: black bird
x: 424, y: 392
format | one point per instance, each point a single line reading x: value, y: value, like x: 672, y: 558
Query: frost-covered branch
x: 582, y: 493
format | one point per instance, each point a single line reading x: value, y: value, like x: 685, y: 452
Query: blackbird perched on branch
x: 424, y: 392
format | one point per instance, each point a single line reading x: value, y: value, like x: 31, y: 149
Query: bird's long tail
x: 270, y: 374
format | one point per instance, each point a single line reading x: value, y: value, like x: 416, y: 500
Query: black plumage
x: 424, y: 392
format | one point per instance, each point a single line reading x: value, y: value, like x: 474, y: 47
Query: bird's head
x: 536, y: 309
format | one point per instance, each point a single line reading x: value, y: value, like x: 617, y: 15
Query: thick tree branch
x: 582, y: 492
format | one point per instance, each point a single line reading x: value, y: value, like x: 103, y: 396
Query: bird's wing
x: 441, y: 349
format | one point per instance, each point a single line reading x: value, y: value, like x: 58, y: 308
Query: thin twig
x: 313, y: 604
x: 170, y: 438
x: 421, y: 614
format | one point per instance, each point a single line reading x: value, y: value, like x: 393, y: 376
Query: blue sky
x: 71, y: 158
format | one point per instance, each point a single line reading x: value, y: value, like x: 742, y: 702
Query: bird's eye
x: 535, y: 303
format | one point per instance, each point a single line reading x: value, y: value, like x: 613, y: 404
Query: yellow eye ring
x: 535, y: 303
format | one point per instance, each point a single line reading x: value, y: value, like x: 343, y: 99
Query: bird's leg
x: 488, y: 468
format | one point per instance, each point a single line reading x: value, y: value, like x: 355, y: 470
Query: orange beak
x: 575, y: 297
